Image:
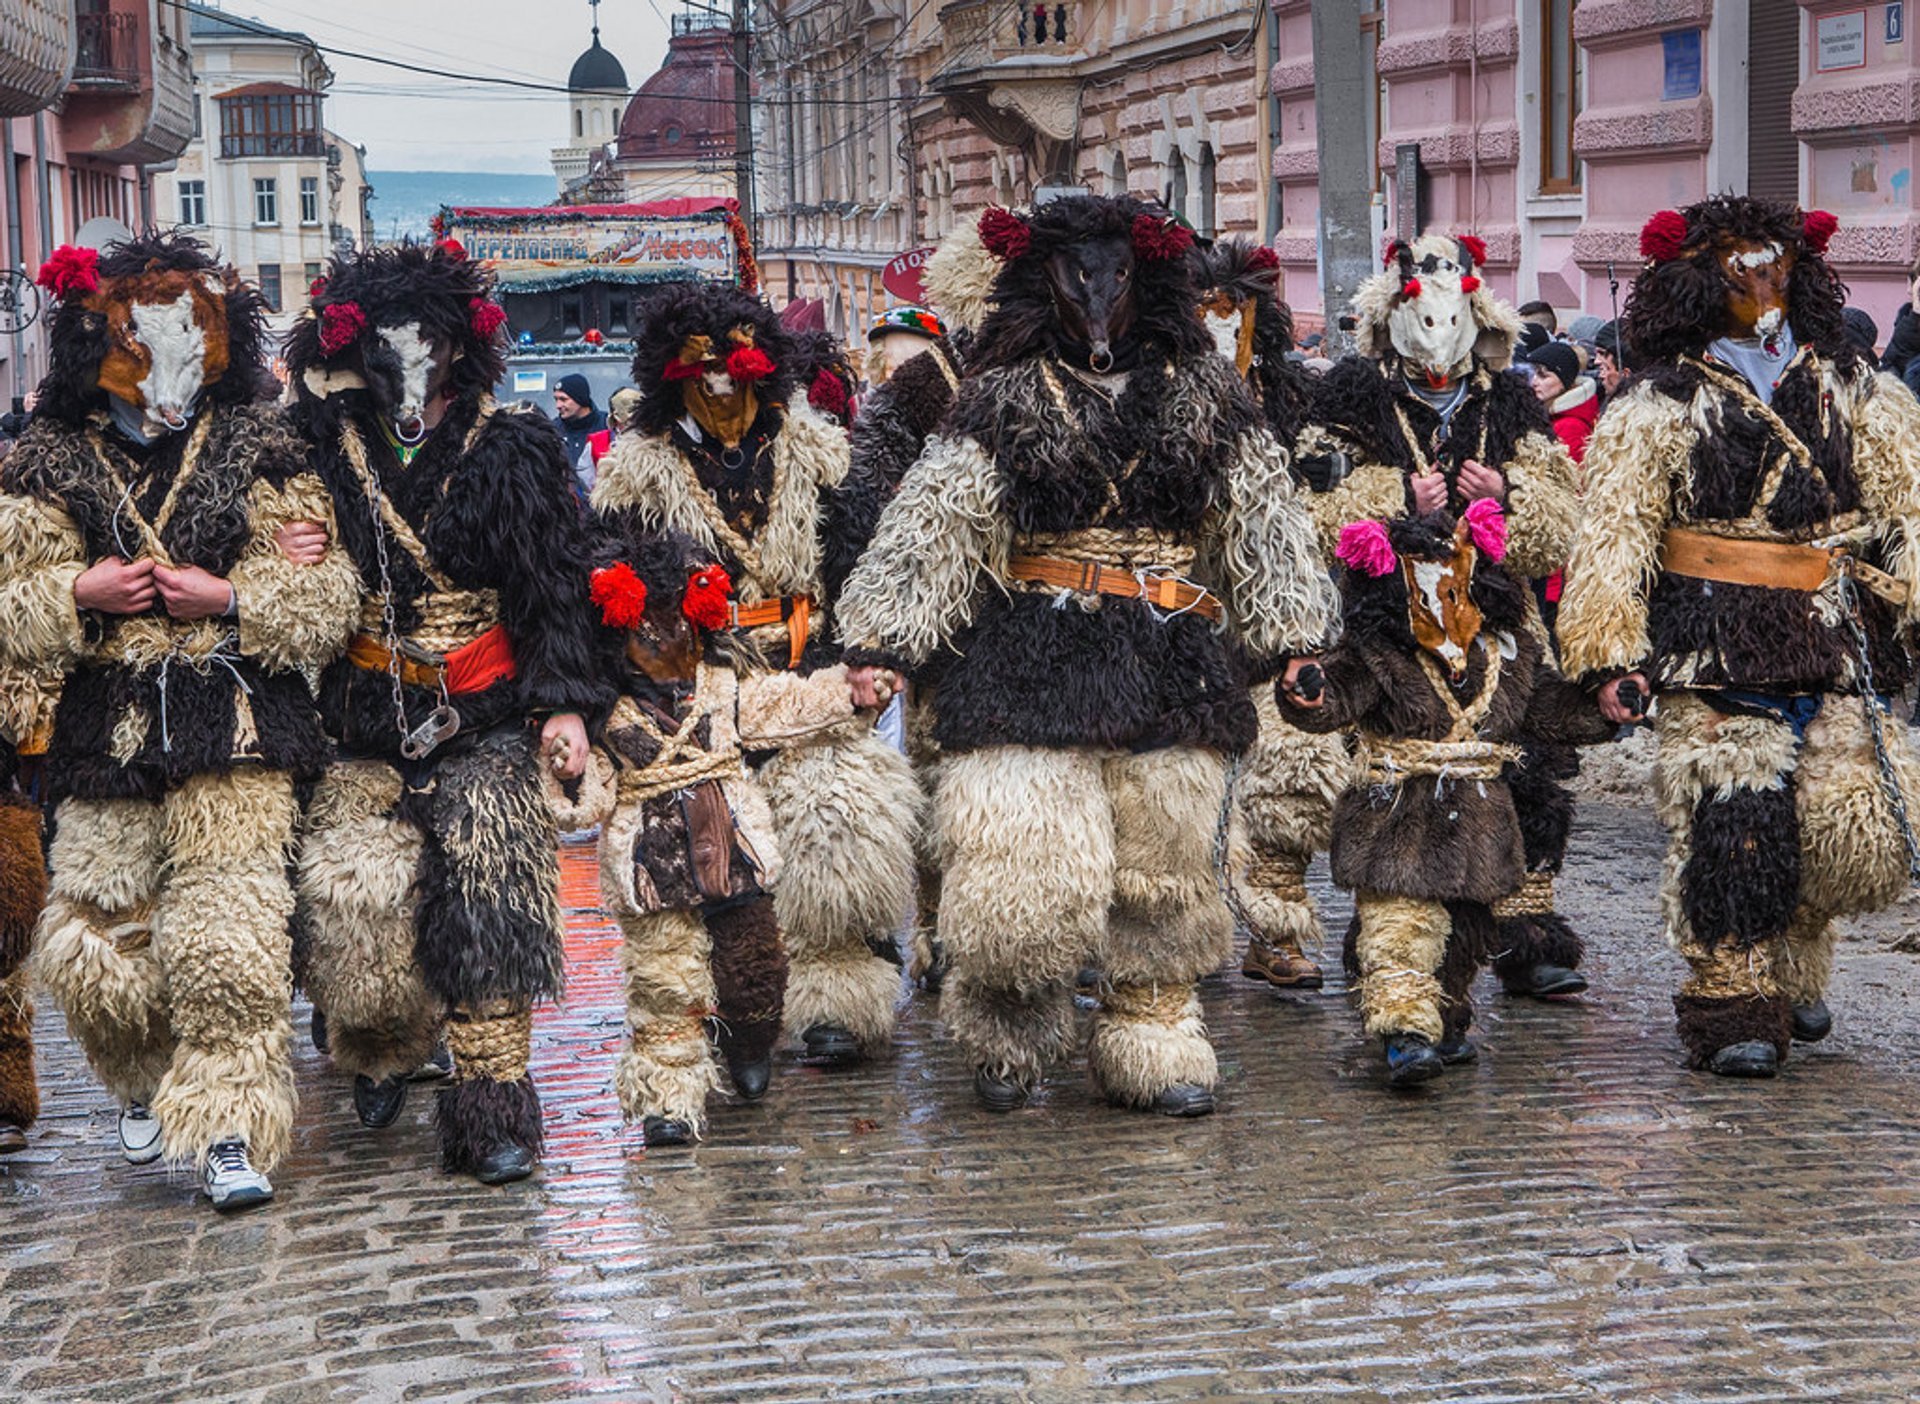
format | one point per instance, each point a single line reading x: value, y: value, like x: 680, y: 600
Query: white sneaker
x: 139, y: 1134
x: 230, y: 1179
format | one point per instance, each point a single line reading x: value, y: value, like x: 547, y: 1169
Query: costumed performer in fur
x: 428, y: 872
x: 1425, y: 420
x: 139, y: 564
x: 1441, y: 674
x: 1100, y: 530
x: 908, y: 400
x: 727, y: 452
x: 26, y: 724
x: 1284, y: 794
x: 1754, y: 497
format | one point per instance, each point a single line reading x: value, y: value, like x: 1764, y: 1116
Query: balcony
x: 1012, y: 70
x: 130, y: 98
x: 36, y: 54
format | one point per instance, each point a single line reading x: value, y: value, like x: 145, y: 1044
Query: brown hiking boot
x: 1283, y: 966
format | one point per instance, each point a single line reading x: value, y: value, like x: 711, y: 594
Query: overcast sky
x: 411, y: 122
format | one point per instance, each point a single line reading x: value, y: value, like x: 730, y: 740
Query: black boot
x: 13, y: 1139
x: 750, y: 1077
x: 504, y: 1164
x: 1184, y: 1099
x: 1812, y: 1022
x: 1544, y: 981
x: 379, y: 1103
x: 1412, y: 1059
x: 999, y: 1094
x: 1755, y: 1058
x: 489, y: 1129
x: 1457, y: 1050
x: 664, y: 1131
x: 317, y: 1027
x: 831, y: 1044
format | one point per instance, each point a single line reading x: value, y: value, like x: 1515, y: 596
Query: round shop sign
x: 902, y: 276
x: 19, y: 301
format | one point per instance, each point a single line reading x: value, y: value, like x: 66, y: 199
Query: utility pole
x: 1341, y: 90
x: 743, y: 116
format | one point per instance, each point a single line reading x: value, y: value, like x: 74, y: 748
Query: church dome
x: 597, y: 71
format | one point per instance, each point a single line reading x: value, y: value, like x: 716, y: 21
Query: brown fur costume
x: 176, y: 743
x: 1084, y: 734
x: 1766, y: 780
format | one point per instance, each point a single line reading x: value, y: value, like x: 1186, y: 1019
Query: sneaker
x: 230, y: 1179
x: 139, y: 1134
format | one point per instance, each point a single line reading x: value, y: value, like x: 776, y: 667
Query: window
x: 270, y: 285
x: 1177, y: 184
x: 619, y: 314
x: 309, y: 199
x: 579, y: 124
x: 1117, y: 174
x: 193, y: 202
x: 312, y: 272
x: 278, y: 122
x: 1203, y: 217
x: 266, y: 201
x: 1559, y: 99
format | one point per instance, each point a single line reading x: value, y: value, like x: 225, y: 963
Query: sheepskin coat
x: 1032, y: 449
x: 1438, y: 839
x: 148, y: 701
x: 1358, y: 455
x: 1684, y: 446
x: 496, y: 511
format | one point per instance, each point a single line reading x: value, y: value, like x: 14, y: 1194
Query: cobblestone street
x: 1573, y: 1218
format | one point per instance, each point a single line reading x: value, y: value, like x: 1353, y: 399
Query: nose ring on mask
x: 1101, y: 361
x: 174, y: 420
x: 410, y: 430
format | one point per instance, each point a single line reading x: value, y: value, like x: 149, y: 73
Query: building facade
x: 93, y: 94
x: 596, y: 97
x: 1553, y: 129
x: 263, y: 179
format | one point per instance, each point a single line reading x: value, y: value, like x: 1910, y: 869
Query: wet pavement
x: 1573, y: 1218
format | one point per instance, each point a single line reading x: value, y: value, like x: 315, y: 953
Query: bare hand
x: 113, y: 586
x: 1613, y: 709
x: 872, y: 687
x: 1477, y: 481
x: 192, y: 593
x: 1429, y: 493
x: 303, y: 543
x: 1290, y: 684
x: 563, y: 741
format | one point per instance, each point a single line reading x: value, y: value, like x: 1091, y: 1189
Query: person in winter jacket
x: 1572, y: 400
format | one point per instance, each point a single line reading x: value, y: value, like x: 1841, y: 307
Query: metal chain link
x: 1870, y: 701
x: 389, y: 629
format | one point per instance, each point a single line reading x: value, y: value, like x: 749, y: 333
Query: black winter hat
x: 1561, y: 359
x: 575, y: 388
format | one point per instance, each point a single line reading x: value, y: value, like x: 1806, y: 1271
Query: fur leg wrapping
x: 1531, y: 932
x: 847, y: 817
x: 1853, y: 856
x: 358, y: 862
x: 488, y: 925
x: 1803, y: 959
x: 1469, y: 943
x: 1012, y: 1033
x: 476, y: 1116
x: 749, y: 977
x: 220, y: 927
x: 667, y: 1067
x: 924, y: 754
x: 19, y: 1089
x: 1283, y: 813
x: 1707, y: 1024
x: 1168, y: 924
x: 1148, y: 1038
x: 93, y: 951
x: 1400, y: 948
x: 1271, y: 888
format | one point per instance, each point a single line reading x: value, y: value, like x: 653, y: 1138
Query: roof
x: 266, y: 90
x: 674, y: 208
x: 597, y: 70
x: 209, y: 22
x: 685, y: 110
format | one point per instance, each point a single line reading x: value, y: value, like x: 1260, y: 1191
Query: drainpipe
x: 16, y: 251
x: 1473, y: 128
x: 41, y: 190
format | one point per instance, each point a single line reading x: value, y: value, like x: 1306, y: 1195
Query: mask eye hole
x: 1429, y: 321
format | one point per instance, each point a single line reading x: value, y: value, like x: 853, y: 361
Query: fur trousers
x: 1531, y: 931
x: 1283, y: 815
x: 696, y: 979
x: 846, y: 815
x: 1412, y: 962
x: 926, y: 961
x: 1054, y: 858
x: 165, y: 941
x: 438, y: 899
x: 23, y: 891
x: 1772, y: 833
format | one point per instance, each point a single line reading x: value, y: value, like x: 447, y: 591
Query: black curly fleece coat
x: 210, y: 527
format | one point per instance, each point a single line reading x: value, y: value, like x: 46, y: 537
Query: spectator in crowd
x: 620, y: 408
x: 1609, y: 359
x: 1541, y: 314
x: 14, y: 422
x: 1582, y: 330
x: 1862, y: 332
x: 1533, y: 335
x: 1572, y: 401
x: 575, y: 415
x: 1903, y: 347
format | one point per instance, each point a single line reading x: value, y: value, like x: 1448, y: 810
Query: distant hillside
x: 404, y: 201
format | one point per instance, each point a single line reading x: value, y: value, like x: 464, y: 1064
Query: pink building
x: 1553, y: 129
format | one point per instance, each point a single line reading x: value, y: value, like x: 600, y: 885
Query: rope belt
x: 1777, y: 565
x: 1138, y: 565
x: 794, y: 611
x: 680, y: 763
x: 1389, y: 761
x: 444, y: 620
x: 473, y: 667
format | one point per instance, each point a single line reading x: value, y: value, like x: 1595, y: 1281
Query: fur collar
x: 1582, y: 391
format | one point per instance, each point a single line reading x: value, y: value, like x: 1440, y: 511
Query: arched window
x: 1203, y: 217
x: 579, y: 123
x: 1117, y: 174
x: 599, y: 124
x: 1177, y: 183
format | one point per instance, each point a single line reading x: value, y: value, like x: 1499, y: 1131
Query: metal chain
x: 1870, y: 701
x: 1222, y: 856
x: 389, y: 629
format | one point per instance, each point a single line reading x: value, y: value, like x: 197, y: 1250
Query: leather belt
x: 473, y: 667
x: 794, y: 611
x: 1774, y: 565
x: 1165, y: 592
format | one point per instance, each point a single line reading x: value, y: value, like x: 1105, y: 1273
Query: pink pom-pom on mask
x: 1364, y: 547
x: 1487, y: 525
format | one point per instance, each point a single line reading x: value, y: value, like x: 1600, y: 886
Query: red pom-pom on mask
x: 71, y: 269
x: 316, y: 287
x: 621, y: 595
x: 1160, y: 239
x: 451, y: 249
x: 1410, y: 289
x: 1004, y: 234
x: 828, y: 395
x: 708, y: 599
x: 1818, y: 230
x: 1476, y: 248
x: 340, y: 326
x: 1469, y: 284
x: 1263, y: 260
x: 485, y: 317
x: 749, y: 363
x: 1664, y: 236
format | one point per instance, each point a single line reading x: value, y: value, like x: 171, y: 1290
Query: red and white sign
x: 902, y: 277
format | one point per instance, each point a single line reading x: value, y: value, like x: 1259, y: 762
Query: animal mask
x: 718, y: 382
x: 1430, y: 312
x: 167, y: 341
x: 1230, y: 324
x: 1092, y: 285
x: 405, y: 370
x: 1441, y: 613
